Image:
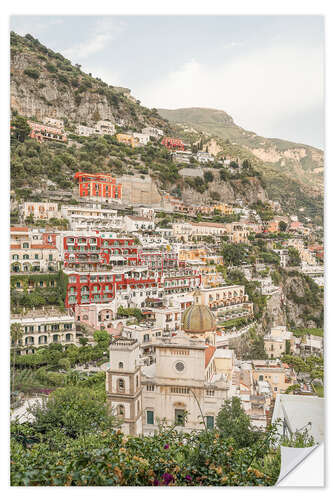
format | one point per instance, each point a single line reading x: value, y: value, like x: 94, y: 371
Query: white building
x: 91, y: 216
x: 204, y: 157
x: 153, y: 132
x: 40, y: 210
x: 134, y: 223
x: 143, y: 138
x: 102, y: 127
x: 54, y: 122
x: 45, y: 326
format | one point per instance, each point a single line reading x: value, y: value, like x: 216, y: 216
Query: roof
x: 22, y: 229
x: 209, y: 353
x: 198, y: 319
x: 43, y: 246
x: 137, y: 217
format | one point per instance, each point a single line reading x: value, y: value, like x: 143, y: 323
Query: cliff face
x: 293, y: 172
x: 304, y: 301
x: 249, y: 190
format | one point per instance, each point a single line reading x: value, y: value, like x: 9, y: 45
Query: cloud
x: 231, y: 45
x: 257, y: 89
x: 35, y: 26
x: 100, y: 37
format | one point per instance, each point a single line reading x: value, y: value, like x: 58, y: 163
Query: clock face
x: 180, y: 366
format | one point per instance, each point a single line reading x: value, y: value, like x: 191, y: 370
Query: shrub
x: 32, y: 73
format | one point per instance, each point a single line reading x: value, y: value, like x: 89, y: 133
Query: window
x: 121, y: 385
x: 25, y: 245
x: 121, y: 365
x: 121, y: 410
x: 180, y: 417
x: 146, y: 337
x: 180, y: 366
x: 137, y: 381
x: 261, y: 377
x: 210, y: 422
x: 150, y: 417
x: 26, y: 256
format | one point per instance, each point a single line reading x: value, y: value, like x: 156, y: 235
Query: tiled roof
x: 209, y: 353
x: 23, y: 229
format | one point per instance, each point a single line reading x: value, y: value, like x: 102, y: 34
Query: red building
x: 99, y: 287
x: 159, y: 261
x: 173, y: 144
x: 98, y: 186
x: 96, y: 252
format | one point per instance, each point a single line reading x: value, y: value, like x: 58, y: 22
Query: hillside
x: 293, y: 172
x: 44, y: 83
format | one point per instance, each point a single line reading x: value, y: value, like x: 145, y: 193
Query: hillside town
x: 158, y: 276
x: 163, y: 293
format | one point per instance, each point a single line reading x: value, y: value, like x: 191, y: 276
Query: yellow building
x: 186, y: 254
x: 278, y: 375
x: 277, y: 340
x: 127, y: 139
x: 224, y: 209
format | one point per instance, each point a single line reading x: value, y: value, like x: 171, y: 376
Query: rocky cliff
x: 45, y: 84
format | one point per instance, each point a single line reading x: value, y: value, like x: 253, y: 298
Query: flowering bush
x: 169, y: 458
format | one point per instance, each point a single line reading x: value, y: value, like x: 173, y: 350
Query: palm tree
x: 16, y: 334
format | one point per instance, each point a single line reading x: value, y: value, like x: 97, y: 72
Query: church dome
x: 198, y: 319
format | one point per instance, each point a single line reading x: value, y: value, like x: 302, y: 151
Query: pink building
x: 99, y: 317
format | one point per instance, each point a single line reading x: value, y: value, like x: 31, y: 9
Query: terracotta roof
x: 23, y: 229
x: 41, y: 246
x: 209, y: 353
x: 12, y: 247
x: 136, y: 217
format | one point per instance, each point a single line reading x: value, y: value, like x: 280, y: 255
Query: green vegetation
x: 301, y: 332
x: 128, y: 312
x: 48, y: 289
x: 74, y: 442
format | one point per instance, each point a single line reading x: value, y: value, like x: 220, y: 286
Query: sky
x: 267, y: 72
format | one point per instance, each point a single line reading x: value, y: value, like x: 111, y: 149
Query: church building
x: 185, y: 387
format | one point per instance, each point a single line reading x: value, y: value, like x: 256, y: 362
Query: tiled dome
x: 198, y: 319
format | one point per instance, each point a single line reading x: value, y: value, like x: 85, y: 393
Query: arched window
x: 121, y: 385
x: 25, y: 256
x: 121, y: 365
x: 15, y: 257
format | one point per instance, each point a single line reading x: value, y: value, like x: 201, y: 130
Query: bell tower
x: 123, y: 384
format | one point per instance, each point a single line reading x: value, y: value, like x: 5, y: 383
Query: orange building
x: 98, y: 186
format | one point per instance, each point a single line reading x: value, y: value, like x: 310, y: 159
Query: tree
x: 208, y: 176
x: 101, y: 336
x: 21, y: 128
x: 64, y: 363
x: 257, y: 349
x: 16, y: 335
x: 232, y: 421
x: 282, y: 226
x: 233, y: 254
x: 83, y: 341
x: 294, y: 258
x: 76, y: 411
